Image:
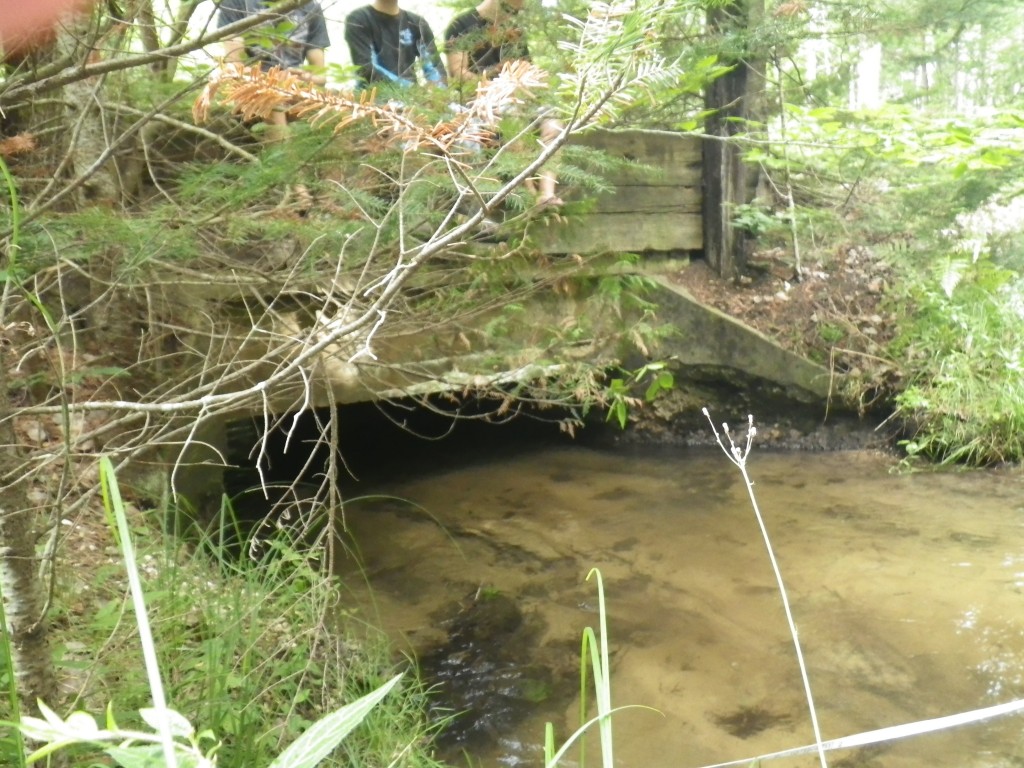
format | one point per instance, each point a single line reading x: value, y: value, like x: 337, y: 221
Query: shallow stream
x: 906, y: 589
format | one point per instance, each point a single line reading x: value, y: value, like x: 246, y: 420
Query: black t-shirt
x: 488, y: 45
x: 385, y: 47
x: 282, y: 41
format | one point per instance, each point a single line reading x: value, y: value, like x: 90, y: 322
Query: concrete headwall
x: 711, y: 339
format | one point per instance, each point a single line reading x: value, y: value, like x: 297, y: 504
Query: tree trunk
x: 73, y: 118
x: 26, y: 629
x: 55, y: 161
x: 731, y: 100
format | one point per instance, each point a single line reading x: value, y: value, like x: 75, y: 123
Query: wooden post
x: 731, y: 100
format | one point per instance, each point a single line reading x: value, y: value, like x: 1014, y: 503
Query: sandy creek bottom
x: 906, y: 589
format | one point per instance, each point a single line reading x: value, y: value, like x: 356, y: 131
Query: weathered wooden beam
x: 624, y: 233
x: 654, y: 204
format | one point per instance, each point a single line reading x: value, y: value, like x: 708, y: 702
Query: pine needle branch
x: 255, y: 94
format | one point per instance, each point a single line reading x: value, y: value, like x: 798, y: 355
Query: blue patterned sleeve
x: 430, y: 59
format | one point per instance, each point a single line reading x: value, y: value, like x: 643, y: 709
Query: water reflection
x: 906, y: 590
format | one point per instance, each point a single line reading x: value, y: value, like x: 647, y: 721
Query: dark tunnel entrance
x: 382, y: 442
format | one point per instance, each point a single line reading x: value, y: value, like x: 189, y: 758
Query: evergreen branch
x: 255, y: 94
x: 494, y: 97
x: 617, y: 55
x: 181, y: 125
x: 229, y: 383
x: 98, y: 163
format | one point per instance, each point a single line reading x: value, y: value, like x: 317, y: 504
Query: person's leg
x: 278, y: 131
x: 277, y: 126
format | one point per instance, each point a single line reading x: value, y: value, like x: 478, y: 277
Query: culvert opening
x: 376, y: 444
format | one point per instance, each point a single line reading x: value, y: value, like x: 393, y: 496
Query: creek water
x: 906, y: 590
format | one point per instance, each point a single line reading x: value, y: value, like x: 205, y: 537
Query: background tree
x: 733, y: 104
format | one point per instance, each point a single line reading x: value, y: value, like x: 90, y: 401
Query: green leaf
x: 176, y: 723
x: 619, y: 412
x: 152, y: 756
x: 46, y: 750
x: 82, y: 725
x: 962, y: 135
x: 137, y: 756
x: 326, y: 733
x: 51, y: 717
x: 662, y: 382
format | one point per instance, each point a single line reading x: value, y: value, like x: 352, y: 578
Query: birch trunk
x: 26, y: 629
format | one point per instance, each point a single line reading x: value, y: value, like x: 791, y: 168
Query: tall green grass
x: 247, y: 651
x: 965, y: 370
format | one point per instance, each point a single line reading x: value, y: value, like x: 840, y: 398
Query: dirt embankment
x: 834, y: 314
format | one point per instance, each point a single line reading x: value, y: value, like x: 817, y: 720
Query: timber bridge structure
x: 667, y: 216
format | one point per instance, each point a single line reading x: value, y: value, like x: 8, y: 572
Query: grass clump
x: 253, y: 652
x: 963, y: 355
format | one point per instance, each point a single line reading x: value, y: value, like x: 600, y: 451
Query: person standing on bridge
x: 287, y: 41
x: 385, y: 43
x: 478, y: 43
